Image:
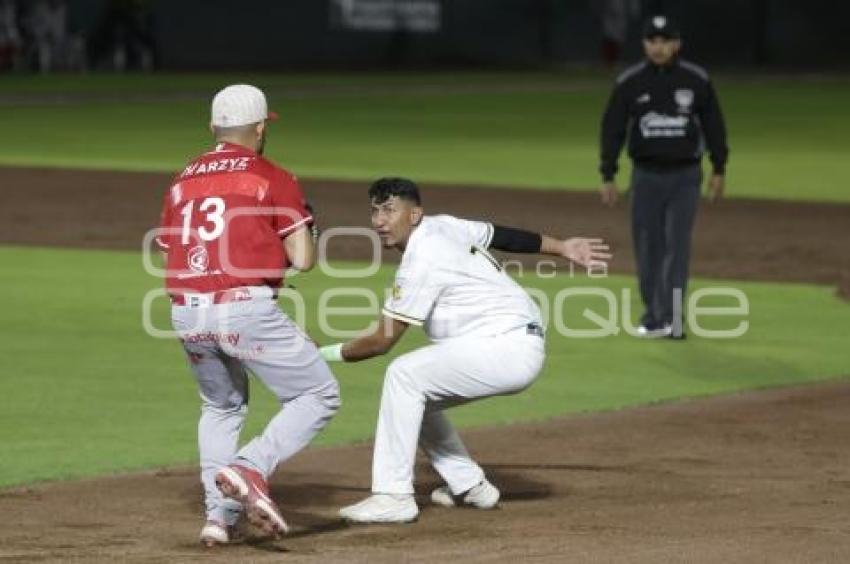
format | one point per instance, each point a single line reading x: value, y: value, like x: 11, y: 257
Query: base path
x: 736, y: 239
x: 757, y: 477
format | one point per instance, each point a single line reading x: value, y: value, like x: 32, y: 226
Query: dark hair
x: 385, y: 188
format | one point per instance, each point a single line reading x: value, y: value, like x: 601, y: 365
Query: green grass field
x: 86, y: 391
x: 787, y: 134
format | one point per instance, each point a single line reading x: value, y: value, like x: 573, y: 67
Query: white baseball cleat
x: 214, y: 533
x: 382, y: 508
x: 483, y: 496
x: 651, y: 331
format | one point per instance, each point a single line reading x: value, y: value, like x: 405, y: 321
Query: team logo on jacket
x: 684, y: 98
x: 654, y: 124
x: 198, y: 259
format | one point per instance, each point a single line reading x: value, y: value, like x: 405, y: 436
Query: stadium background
x: 495, y: 112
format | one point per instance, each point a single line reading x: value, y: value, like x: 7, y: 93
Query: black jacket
x: 671, y: 112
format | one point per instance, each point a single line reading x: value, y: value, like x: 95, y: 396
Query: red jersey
x: 223, y: 219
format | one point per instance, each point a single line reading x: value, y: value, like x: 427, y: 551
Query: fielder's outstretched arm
x: 583, y: 251
x: 376, y: 343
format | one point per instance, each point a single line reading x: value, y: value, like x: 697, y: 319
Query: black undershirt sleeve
x: 515, y: 240
x: 714, y: 129
x: 614, y: 123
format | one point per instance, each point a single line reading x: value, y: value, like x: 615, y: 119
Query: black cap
x: 661, y: 26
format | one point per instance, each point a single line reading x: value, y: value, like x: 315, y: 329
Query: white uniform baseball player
x: 487, y: 338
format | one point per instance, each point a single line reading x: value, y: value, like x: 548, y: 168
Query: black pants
x: 664, y: 206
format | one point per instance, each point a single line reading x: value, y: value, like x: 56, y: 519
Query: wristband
x: 332, y: 353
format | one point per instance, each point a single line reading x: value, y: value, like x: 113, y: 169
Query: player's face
x: 394, y: 221
x: 660, y: 50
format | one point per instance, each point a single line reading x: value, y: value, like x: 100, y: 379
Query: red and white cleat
x: 250, y: 489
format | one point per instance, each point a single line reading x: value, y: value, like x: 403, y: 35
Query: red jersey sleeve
x: 290, y: 204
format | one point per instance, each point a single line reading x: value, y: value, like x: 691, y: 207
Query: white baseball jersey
x: 450, y: 284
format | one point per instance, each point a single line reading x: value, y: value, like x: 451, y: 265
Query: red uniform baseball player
x: 232, y: 222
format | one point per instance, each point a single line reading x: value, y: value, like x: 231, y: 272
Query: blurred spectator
x: 50, y: 45
x: 46, y: 25
x: 10, y: 37
x: 615, y: 16
x: 124, y: 39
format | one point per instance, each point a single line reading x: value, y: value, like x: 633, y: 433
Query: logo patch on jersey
x: 198, y: 259
x: 684, y: 98
x: 396, y: 292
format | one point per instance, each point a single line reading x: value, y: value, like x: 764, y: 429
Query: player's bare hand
x: 586, y: 252
x: 609, y: 193
x: 716, y: 187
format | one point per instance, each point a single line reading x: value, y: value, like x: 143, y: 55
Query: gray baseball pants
x: 223, y: 343
x: 664, y: 206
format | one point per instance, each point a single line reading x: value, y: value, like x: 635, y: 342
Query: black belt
x: 535, y: 329
x: 665, y: 166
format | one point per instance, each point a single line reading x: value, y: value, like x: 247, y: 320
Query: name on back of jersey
x: 219, y: 165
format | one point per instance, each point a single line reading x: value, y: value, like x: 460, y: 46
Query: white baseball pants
x: 420, y: 384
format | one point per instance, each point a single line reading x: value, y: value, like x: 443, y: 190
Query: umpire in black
x: 669, y: 111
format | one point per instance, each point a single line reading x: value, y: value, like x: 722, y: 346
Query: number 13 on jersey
x: 214, y: 208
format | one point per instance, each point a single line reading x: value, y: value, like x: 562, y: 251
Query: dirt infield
x: 757, y: 477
